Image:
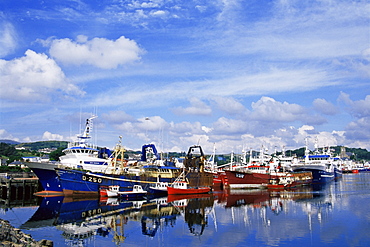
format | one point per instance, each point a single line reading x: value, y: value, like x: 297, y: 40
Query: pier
x: 17, y: 189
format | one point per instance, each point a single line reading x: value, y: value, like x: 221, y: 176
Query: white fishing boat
x: 159, y: 188
x: 114, y: 191
x: 321, y: 164
x: 79, y: 154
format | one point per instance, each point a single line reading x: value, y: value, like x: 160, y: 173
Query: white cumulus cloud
x: 99, y: 52
x: 325, y: 107
x: 197, y: 107
x: 5, y: 135
x: 230, y: 105
x: 268, y: 109
x: 32, y: 78
x: 7, y: 38
x: 48, y: 136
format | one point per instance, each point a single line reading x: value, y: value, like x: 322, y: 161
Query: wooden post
x: 24, y: 189
x: 8, y: 189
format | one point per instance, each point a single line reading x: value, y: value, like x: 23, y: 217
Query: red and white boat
x: 264, y: 171
x: 180, y: 187
x: 210, y: 166
x: 246, y: 179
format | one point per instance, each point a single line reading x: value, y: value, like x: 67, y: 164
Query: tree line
x: 10, y: 152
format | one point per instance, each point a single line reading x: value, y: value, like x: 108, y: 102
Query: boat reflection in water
x: 306, y: 216
x: 194, y: 208
x: 80, y: 220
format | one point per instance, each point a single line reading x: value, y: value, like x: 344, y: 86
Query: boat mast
x: 231, y: 161
x: 86, y: 133
x: 250, y: 155
x: 306, y: 151
x: 118, y: 155
x: 211, y: 159
x: 244, y: 156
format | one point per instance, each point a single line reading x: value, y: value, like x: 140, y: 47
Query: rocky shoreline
x: 14, y: 237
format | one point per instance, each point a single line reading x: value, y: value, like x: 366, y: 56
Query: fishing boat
x: 275, y: 162
x: 291, y: 180
x: 76, y: 182
x: 182, y: 189
x: 260, y: 171
x: 114, y: 191
x: 211, y: 167
x: 194, y: 179
x: 320, y: 164
x: 79, y: 154
x: 246, y: 179
x: 158, y: 188
x: 181, y: 186
x: 81, y: 182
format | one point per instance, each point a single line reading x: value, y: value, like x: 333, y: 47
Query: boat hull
x: 338, y: 173
x: 178, y: 191
x: 253, y: 180
x: 76, y: 182
x: 240, y: 180
x: 318, y: 175
x: 132, y: 195
x: 48, y: 177
x: 157, y: 191
x: 217, y: 180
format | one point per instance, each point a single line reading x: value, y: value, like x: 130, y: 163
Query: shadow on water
x: 79, y: 219
x: 281, y: 217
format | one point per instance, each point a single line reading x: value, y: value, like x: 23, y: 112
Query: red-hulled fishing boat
x: 181, y: 187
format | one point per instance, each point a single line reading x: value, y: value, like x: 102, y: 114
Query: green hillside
x: 33, y: 146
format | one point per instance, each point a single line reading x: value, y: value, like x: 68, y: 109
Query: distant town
x: 13, y: 154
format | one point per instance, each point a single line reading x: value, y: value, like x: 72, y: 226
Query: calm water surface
x: 335, y: 215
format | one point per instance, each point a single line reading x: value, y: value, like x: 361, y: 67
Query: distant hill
x: 43, y: 144
x: 354, y: 153
x: 10, y: 142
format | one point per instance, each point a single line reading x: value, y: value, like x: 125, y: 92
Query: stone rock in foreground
x: 13, y: 237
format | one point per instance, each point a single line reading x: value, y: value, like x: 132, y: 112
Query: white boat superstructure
x: 81, y: 154
x: 114, y: 191
x: 320, y: 164
x: 274, y: 162
x: 159, y: 187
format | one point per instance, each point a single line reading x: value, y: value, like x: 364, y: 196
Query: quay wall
x: 16, y: 189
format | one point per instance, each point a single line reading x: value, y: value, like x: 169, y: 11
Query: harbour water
x: 333, y: 215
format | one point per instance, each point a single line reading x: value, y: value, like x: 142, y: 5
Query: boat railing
x: 82, y: 145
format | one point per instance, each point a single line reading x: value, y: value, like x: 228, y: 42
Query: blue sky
x: 177, y: 73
